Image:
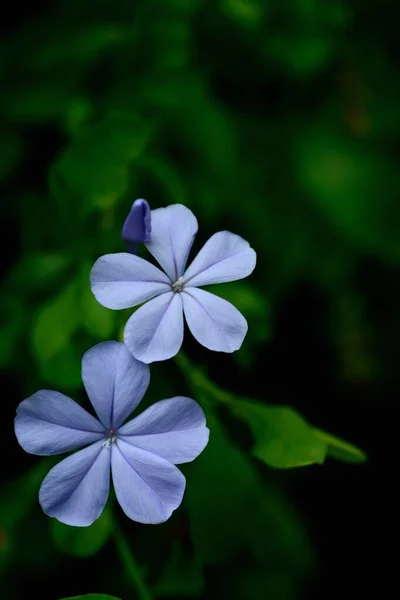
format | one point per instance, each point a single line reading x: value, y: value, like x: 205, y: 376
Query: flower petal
x: 76, y: 490
x: 50, y: 423
x: 155, y: 331
x: 114, y: 381
x: 147, y: 487
x: 172, y: 233
x: 214, y: 322
x: 174, y: 429
x: 137, y: 226
x: 224, y: 257
x: 123, y: 280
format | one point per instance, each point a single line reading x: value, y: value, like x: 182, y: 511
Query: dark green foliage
x: 277, y: 120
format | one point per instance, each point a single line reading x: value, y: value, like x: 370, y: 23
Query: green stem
x: 198, y: 380
x: 131, y: 565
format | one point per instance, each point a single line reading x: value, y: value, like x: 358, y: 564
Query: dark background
x: 279, y: 120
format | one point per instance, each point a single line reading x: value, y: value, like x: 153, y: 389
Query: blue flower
x: 142, y: 453
x: 137, y: 226
x: 155, y: 331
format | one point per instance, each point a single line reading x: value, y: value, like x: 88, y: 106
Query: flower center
x: 178, y: 285
x: 110, y: 439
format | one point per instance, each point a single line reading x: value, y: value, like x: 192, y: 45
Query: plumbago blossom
x: 155, y: 331
x: 141, y: 453
x: 137, y: 226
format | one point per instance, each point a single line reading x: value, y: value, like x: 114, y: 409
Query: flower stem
x: 199, y: 382
x: 131, y: 565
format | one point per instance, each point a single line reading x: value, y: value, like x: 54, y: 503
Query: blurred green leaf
x: 205, y: 119
x: 55, y: 322
x: 170, y: 180
x: 28, y: 276
x: 182, y: 575
x: 82, y: 541
x: 223, y: 474
x: 31, y: 548
x: 92, y: 597
x: 260, y: 584
x: 18, y: 496
x: 75, y: 46
x: 247, y: 13
x: 344, y: 179
x: 13, y: 316
x: 95, y: 166
x: 77, y: 115
x: 302, y: 54
x: 43, y: 101
x: 37, y: 269
x: 283, y: 439
x: 63, y: 369
x: 16, y: 500
x: 10, y: 152
x: 340, y: 449
x: 230, y: 510
x: 98, y: 321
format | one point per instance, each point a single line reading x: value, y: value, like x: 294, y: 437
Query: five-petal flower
x: 155, y: 331
x: 142, y: 453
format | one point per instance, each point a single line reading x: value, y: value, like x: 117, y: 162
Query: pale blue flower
x: 155, y: 331
x: 140, y: 453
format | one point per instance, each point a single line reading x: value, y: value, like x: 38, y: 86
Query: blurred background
x: 278, y: 120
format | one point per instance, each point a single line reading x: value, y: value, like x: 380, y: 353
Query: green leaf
x: 63, y: 370
x: 247, y: 13
x: 92, y: 597
x: 97, y: 320
x: 283, y: 439
x: 13, y: 317
x: 302, y: 55
x: 181, y: 576
x: 18, y: 496
x: 82, y: 541
x: 172, y: 184
x: 274, y: 584
x: 94, y: 168
x: 231, y: 511
x: 344, y: 179
x: 10, y: 152
x: 37, y: 103
x: 77, y: 115
x: 75, y: 46
x: 55, y: 322
x: 340, y: 449
x: 37, y: 269
x: 222, y: 473
x: 16, y: 500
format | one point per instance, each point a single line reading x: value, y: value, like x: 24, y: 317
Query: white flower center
x: 110, y: 439
x: 178, y: 285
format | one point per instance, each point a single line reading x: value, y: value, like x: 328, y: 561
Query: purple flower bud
x: 137, y: 226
